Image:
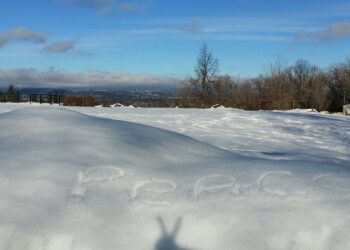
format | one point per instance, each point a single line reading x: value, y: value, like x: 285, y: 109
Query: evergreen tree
x: 11, y: 94
x: 18, y: 96
x: 34, y: 98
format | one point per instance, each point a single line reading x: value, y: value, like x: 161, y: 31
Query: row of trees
x: 301, y: 85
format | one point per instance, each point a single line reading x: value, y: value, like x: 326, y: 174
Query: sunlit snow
x: 158, y: 179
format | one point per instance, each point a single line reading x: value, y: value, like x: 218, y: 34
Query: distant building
x: 346, y: 109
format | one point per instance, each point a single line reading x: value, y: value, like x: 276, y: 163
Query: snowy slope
x: 283, y: 135
x: 78, y: 182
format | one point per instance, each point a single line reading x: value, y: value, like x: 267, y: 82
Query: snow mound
x: 218, y: 106
x: 117, y: 105
x: 300, y: 111
x: 67, y: 134
x: 75, y: 182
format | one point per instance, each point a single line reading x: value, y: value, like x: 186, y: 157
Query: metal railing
x: 46, y: 98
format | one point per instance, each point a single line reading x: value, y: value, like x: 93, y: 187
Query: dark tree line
x: 14, y: 95
x: 11, y: 95
x: 301, y: 85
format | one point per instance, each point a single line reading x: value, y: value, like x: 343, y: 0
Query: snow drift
x: 75, y: 182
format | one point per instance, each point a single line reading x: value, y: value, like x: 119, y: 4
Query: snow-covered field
x: 163, y: 179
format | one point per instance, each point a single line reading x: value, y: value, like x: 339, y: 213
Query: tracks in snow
x: 163, y: 192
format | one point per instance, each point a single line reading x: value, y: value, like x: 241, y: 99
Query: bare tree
x: 246, y: 96
x: 339, y: 85
x: 186, y: 95
x: 277, y: 83
x: 303, y: 74
x: 206, y: 70
x: 223, y: 89
x: 320, y: 97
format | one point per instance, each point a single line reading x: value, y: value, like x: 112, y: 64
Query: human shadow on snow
x: 167, y: 240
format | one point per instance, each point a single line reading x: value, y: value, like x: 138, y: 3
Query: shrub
x: 82, y: 101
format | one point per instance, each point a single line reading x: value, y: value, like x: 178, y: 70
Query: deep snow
x: 230, y: 179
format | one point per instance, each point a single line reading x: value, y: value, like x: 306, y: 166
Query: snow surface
x: 197, y: 179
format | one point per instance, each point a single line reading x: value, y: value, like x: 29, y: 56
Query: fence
x: 11, y: 98
x: 46, y: 98
x: 270, y: 104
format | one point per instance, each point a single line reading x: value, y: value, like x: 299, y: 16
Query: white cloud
x: 334, y: 31
x: 21, y: 35
x: 53, y: 79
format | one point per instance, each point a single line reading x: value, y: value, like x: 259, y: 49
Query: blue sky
x: 154, y: 40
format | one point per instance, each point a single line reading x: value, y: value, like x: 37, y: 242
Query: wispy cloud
x: 217, y: 28
x: 104, y: 7
x: 247, y: 37
x: 60, y: 47
x: 192, y: 27
x: 333, y: 32
x: 21, y: 35
x: 128, y: 7
x: 96, y: 79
